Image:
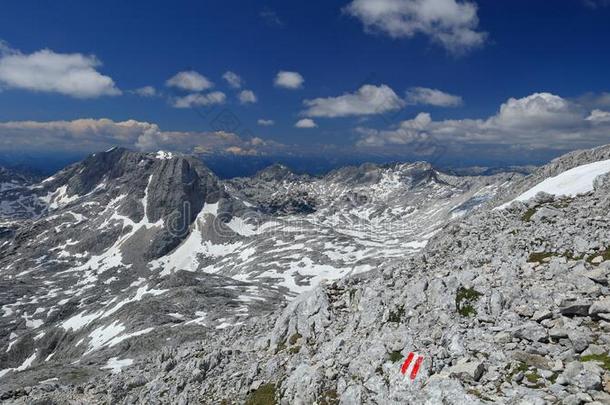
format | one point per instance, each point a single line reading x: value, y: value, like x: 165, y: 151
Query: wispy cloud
x: 271, y: 18
x: 595, y: 4
x: 367, y: 100
x: 197, y: 99
x: 146, y: 91
x: 451, y: 23
x: 434, y: 97
x: 233, y: 79
x: 265, y: 123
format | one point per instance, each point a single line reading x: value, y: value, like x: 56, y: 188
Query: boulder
x: 467, y: 370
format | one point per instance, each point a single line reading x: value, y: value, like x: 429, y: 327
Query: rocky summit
x: 133, y: 278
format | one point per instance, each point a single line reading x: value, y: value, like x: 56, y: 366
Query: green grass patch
x: 569, y: 255
x: 329, y: 397
x: 264, y: 395
x: 604, y: 359
x: 605, y: 254
x: 395, y: 356
x: 294, y: 338
x: 527, y: 216
x: 478, y: 394
x: 539, y: 257
x: 533, y: 377
x: 465, y: 298
x: 562, y: 203
x: 514, y: 370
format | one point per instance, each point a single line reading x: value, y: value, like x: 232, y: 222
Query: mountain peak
x: 275, y: 172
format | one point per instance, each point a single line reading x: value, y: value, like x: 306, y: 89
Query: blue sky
x: 381, y: 79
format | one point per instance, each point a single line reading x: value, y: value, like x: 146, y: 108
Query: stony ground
x: 125, y: 253
x: 506, y: 306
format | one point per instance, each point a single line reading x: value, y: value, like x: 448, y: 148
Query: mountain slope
x: 505, y: 306
x: 133, y: 252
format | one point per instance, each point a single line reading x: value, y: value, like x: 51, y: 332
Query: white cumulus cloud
x: 427, y: 96
x: 305, y: 123
x: 535, y: 122
x: 189, y: 81
x: 451, y: 23
x: 197, y: 99
x: 538, y: 110
x: 247, y: 96
x: 289, y: 80
x: 599, y: 116
x: 233, y: 79
x: 367, y: 100
x: 71, y: 74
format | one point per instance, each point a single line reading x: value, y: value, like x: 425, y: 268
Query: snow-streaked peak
x: 164, y: 155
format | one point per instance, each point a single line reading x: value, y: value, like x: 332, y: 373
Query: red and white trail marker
x: 411, y: 365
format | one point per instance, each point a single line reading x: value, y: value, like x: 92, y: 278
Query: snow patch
x: 115, y: 365
x: 570, y: 183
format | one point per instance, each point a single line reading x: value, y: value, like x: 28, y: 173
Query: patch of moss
x: 329, y: 397
x: 465, y: 298
x: 396, y: 316
x: 478, y: 394
x: 520, y: 366
x: 527, y: 216
x: 264, y: 395
x: 569, y: 255
x: 562, y: 203
x: 294, y: 349
x: 533, y: 377
x: 294, y: 338
x: 395, y: 356
x: 604, y: 359
x: 280, y: 347
x: 539, y: 257
x: 605, y: 254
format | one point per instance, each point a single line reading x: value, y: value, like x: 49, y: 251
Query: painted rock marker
x: 412, y: 366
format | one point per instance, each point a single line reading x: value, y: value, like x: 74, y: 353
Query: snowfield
x: 570, y: 183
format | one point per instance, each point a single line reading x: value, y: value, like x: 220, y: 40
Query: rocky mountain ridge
x: 505, y: 306
x: 479, y: 302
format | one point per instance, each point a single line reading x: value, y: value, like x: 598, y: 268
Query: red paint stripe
x: 418, y: 363
x: 405, y: 365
